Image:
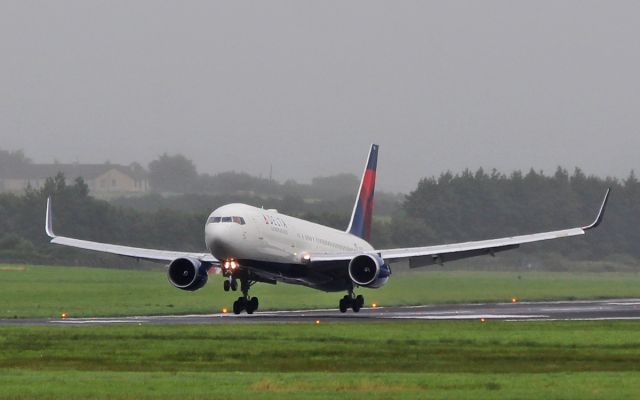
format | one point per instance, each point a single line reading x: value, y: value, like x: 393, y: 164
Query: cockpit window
x: 215, y: 220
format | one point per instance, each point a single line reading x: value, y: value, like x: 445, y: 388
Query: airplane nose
x: 219, y: 240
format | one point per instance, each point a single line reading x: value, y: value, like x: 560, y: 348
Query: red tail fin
x: 362, y: 215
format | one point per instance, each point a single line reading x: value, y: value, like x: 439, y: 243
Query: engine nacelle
x: 187, y: 274
x: 369, y: 270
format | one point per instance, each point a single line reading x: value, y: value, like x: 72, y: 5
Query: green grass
x: 40, y: 291
x: 407, y: 360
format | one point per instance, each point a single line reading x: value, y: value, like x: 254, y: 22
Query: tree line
x: 470, y: 205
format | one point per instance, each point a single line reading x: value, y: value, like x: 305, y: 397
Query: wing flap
x: 423, y: 261
x: 476, y: 248
x: 429, y: 255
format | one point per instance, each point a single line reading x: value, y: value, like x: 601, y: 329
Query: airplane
x: 252, y: 245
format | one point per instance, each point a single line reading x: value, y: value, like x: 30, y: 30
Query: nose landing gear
x: 230, y: 284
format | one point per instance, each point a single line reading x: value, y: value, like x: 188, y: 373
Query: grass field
x: 383, y: 360
x: 40, y: 291
x: 404, y: 360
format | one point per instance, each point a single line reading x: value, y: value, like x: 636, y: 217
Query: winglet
x: 48, y: 226
x: 600, y: 216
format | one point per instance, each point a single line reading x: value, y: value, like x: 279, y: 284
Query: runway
x: 518, y: 311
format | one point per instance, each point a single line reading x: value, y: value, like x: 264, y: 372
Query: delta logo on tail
x: 362, y: 215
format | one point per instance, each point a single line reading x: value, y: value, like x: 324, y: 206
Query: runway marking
x: 175, y: 316
x: 469, y: 316
x: 306, y: 311
x: 96, y: 321
x: 574, y: 309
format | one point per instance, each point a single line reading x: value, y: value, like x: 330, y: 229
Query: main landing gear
x: 351, y: 301
x: 244, y: 302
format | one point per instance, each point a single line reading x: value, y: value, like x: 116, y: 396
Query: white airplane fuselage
x: 265, y: 235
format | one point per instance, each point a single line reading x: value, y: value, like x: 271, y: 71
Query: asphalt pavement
x: 514, y: 311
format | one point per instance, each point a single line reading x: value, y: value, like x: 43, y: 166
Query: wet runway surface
x: 518, y: 311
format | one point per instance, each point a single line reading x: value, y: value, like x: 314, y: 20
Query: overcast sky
x: 307, y: 86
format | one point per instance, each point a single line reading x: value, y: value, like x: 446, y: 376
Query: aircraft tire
x: 360, y: 300
x: 226, y: 285
x: 237, y: 307
x: 252, y: 305
x: 234, y: 285
x: 344, y: 305
x: 355, y: 306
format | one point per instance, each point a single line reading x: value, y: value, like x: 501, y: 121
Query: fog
x: 305, y: 87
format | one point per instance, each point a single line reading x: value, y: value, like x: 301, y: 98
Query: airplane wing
x: 135, y: 252
x: 423, y: 256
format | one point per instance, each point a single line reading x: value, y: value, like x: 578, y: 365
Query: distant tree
x: 54, y: 185
x: 11, y: 161
x: 137, y: 168
x: 172, y: 174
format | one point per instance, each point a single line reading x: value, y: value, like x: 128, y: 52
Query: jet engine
x: 369, y: 270
x: 187, y: 274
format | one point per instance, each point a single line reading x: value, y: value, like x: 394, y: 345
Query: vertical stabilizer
x: 362, y: 215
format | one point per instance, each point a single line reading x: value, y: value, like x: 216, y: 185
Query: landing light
x: 231, y: 264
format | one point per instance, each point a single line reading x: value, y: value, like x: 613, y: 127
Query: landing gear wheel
x: 234, y: 285
x: 239, y: 305
x: 252, y: 305
x: 344, y: 305
x: 226, y: 285
x: 355, y: 305
x: 360, y: 300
